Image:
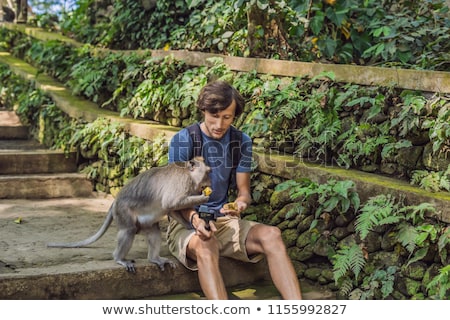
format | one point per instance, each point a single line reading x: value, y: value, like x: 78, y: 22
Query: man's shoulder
x: 182, y: 134
x: 245, y: 138
x: 239, y: 134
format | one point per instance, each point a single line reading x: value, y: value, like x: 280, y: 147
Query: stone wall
x: 390, y: 267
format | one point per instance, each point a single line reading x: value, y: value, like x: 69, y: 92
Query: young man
x: 199, y: 247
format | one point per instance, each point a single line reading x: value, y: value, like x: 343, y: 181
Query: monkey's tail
x: 90, y: 240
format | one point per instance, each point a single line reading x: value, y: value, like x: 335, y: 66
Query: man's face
x: 216, y: 124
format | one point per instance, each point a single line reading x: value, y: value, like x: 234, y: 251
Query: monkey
x: 142, y: 202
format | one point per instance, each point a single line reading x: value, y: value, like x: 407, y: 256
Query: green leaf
x: 328, y: 47
x: 316, y: 23
x: 348, y: 259
x: 407, y: 235
x: 323, y: 75
x: 262, y: 4
x: 286, y: 185
x: 330, y: 204
x: 227, y: 34
x: 193, y: 3
x: 342, y: 187
x: 313, y: 224
x: 379, y: 49
x: 421, y: 238
x: 419, y: 255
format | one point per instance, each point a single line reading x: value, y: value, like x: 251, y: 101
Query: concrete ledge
x: 77, y: 107
x: 99, y: 280
x: 11, y: 127
x: 367, y: 184
x: 39, y: 161
x: 44, y: 186
x: 19, y: 132
x: 434, y: 81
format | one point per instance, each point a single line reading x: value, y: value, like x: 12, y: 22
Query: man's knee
x: 268, y: 233
x: 271, y: 239
x: 204, y: 249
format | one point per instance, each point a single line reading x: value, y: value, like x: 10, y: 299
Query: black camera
x: 208, y: 214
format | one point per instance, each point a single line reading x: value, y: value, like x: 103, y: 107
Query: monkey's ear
x: 191, y: 165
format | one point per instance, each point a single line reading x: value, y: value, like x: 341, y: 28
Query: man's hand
x: 200, y: 227
x: 234, y: 208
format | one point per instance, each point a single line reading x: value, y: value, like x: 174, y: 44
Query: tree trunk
x: 256, y: 20
x: 265, y: 32
x: 21, y: 11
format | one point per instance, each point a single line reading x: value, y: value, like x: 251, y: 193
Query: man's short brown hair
x: 217, y: 96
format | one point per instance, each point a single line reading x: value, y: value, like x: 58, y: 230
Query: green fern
x: 443, y: 241
x: 380, y: 282
x: 416, y: 214
x: 439, y: 128
x: 407, y: 235
x: 415, y: 234
x: 439, y: 286
x: 378, y: 210
x: 346, y: 286
x: 431, y: 181
x: 348, y: 259
x: 361, y: 143
x: 418, y: 255
x: 291, y: 109
x: 322, y: 127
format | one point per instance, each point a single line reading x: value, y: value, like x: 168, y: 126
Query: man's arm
x: 179, y: 150
x: 244, y: 196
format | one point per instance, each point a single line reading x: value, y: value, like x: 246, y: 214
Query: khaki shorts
x: 231, y: 235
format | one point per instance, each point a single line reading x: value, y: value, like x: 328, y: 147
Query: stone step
x: 44, y: 186
x: 8, y: 132
x: 11, y: 127
x: 28, y: 170
x: 33, y: 161
x: 106, y: 280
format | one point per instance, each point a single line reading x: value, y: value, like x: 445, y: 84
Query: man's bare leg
x: 206, y: 253
x: 267, y: 240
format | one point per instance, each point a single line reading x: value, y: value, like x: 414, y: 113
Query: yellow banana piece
x: 207, y: 191
x: 230, y: 206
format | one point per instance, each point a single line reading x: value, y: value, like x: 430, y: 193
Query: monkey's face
x: 199, y: 172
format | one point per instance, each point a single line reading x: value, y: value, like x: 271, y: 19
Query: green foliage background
x: 407, y: 34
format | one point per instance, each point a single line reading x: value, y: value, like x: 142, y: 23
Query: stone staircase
x: 43, y: 198
x: 28, y: 170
